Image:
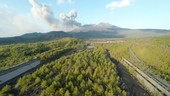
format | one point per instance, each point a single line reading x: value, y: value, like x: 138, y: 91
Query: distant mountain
x: 48, y: 35
x: 101, y: 27
x: 95, y: 34
x: 101, y: 30
x: 34, y: 37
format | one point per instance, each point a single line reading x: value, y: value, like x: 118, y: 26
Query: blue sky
x: 135, y: 14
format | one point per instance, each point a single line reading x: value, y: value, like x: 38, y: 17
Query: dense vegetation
x: 81, y: 73
x: 117, y: 49
x: 15, y: 54
x: 87, y: 73
x: 155, y: 54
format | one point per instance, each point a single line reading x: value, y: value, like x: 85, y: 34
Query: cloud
x: 41, y: 19
x: 44, y: 12
x: 13, y: 23
x: 63, y: 1
x: 65, y: 23
x: 122, y: 3
x: 68, y: 20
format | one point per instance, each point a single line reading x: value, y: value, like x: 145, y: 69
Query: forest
x: 153, y: 52
x: 15, y: 54
x: 87, y: 73
x: 70, y: 68
x: 155, y: 55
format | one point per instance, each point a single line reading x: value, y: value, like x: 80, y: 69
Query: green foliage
x: 132, y: 71
x: 88, y: 93
x: 67, y: 93
x: 117, y: 50
x: 85, y: 73
x: 11, y: 55
x: 44, y: 84
x: 5, y: 91
x: 155, y: 53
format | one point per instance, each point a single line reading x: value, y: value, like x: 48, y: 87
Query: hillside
x: 79, y: 73
x: 151, y: 54
x: 11, y: 55
x: 34, y: 37
x: 155, y: 54
x: 70, y: 67
x: 91, y: 31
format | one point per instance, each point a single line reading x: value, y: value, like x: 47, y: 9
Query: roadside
x: 133, y: 87
x: 144, y: 68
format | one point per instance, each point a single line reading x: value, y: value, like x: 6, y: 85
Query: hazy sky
x: 22, y: 16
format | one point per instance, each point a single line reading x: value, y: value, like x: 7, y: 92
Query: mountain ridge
x: 89, y: 31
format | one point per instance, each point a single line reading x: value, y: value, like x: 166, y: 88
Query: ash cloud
x: 43, y: 12
x: 68, y: 20
x: 14, y: 24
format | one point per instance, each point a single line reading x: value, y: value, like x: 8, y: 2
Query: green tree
x: 61, y: 91
x: 67, y: 93
x: 44, y: 84
x: 37, y: 80
x: 75, y: 91
x: 5, y: 90
x: 88, y: 93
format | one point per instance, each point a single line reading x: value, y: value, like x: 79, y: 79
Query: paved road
x: 12, y: 73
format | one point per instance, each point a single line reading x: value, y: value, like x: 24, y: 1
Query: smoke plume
x: 68, y: 20
x: 43, y: 12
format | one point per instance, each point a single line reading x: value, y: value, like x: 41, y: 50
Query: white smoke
x: 68, y: 20
x: 13, y: 23
x: 70, y: 16
x: 44, y: 12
